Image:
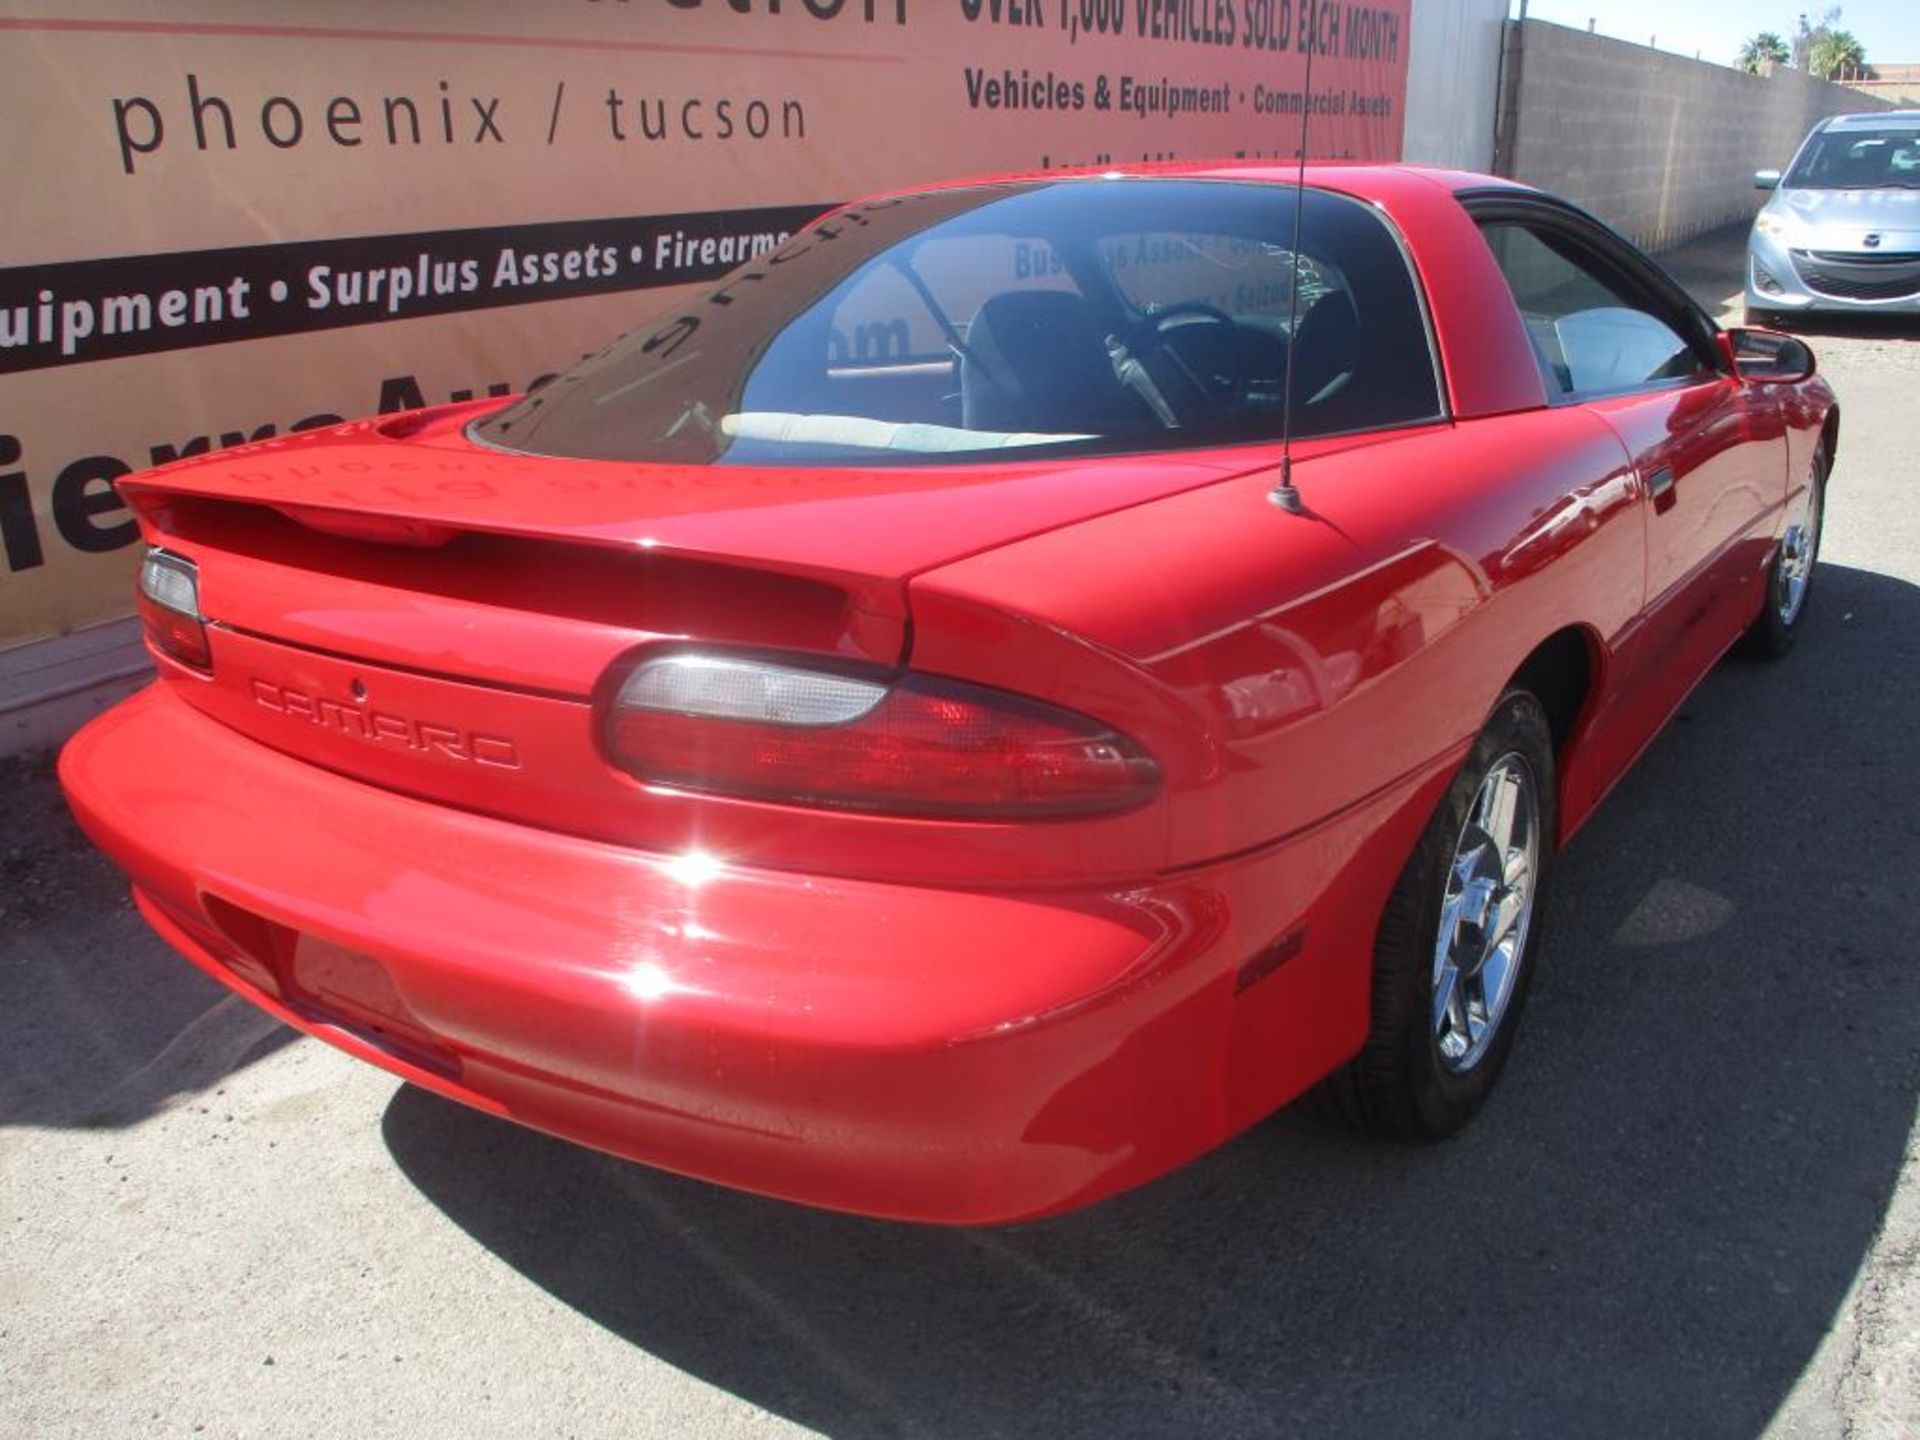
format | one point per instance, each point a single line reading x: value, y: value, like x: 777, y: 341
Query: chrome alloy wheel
x: 1485, y: 913
x: 1798, y: 549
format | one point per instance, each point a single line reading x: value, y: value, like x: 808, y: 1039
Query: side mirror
x: 1770, y: 357
x: 1766, y: 179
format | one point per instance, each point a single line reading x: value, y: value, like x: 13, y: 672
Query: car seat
x: 1037, y: 360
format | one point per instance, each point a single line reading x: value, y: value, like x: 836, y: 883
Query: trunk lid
x: 879, y: 523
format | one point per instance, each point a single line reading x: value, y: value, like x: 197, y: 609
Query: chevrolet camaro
x: 998, y: 696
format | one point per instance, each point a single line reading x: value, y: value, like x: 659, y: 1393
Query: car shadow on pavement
x: 101, y: 1023
x: 1649, y: 1231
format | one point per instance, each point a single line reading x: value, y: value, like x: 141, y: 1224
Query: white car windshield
x: 1859, y: 160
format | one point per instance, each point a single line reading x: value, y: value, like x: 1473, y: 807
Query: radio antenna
x: 1285, y: 495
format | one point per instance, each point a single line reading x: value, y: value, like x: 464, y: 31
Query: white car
x: 1841, y: 233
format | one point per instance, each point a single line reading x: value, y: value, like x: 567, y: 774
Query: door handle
x: 1660, y: 487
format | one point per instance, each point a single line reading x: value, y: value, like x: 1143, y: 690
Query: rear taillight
x: 765, y: 729
x: 169, y: 596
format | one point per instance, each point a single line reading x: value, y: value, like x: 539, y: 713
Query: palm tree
x: 1805, y: 34
x: 1834, y: 53
x: 1760, y: 50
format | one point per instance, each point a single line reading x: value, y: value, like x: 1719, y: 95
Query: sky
x: 1888, y: 29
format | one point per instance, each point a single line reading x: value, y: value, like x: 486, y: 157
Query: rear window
x: 1015, y: 320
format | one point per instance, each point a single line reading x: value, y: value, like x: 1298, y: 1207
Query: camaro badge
x: 382, y: 727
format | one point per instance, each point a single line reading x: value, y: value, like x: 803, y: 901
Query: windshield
x: 1060, y: 317
x: 1859, y: 160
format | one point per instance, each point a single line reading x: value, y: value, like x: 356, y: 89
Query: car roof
x: 1353, y: 177
x: 1873, y: 119
x: 1366, y: 180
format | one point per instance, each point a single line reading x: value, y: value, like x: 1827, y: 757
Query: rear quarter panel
x: 1307, y: 662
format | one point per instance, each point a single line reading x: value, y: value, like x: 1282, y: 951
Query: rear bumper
x: 936, y: 1055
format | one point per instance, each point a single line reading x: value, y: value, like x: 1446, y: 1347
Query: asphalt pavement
x: 1693, y: 1209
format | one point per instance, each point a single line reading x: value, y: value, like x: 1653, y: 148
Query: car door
x: 1613, y: 335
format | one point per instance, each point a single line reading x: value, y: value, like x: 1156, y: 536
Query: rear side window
x: 1592, y: 334
x: 1079, y: 316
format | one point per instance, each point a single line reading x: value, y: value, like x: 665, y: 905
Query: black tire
x: 1399, y: 1086
x: 1774, y: 630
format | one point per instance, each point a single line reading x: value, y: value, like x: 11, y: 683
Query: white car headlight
x: 1769, y: 222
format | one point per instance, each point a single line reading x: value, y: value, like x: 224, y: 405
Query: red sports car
x: 1004, y: 692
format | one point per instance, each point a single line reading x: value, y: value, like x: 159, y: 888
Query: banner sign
x: 146, y: 304
x: 235, y: 219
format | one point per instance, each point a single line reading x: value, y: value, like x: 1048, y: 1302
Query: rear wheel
x: 1455, y: 950
x: 1790, y: 577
